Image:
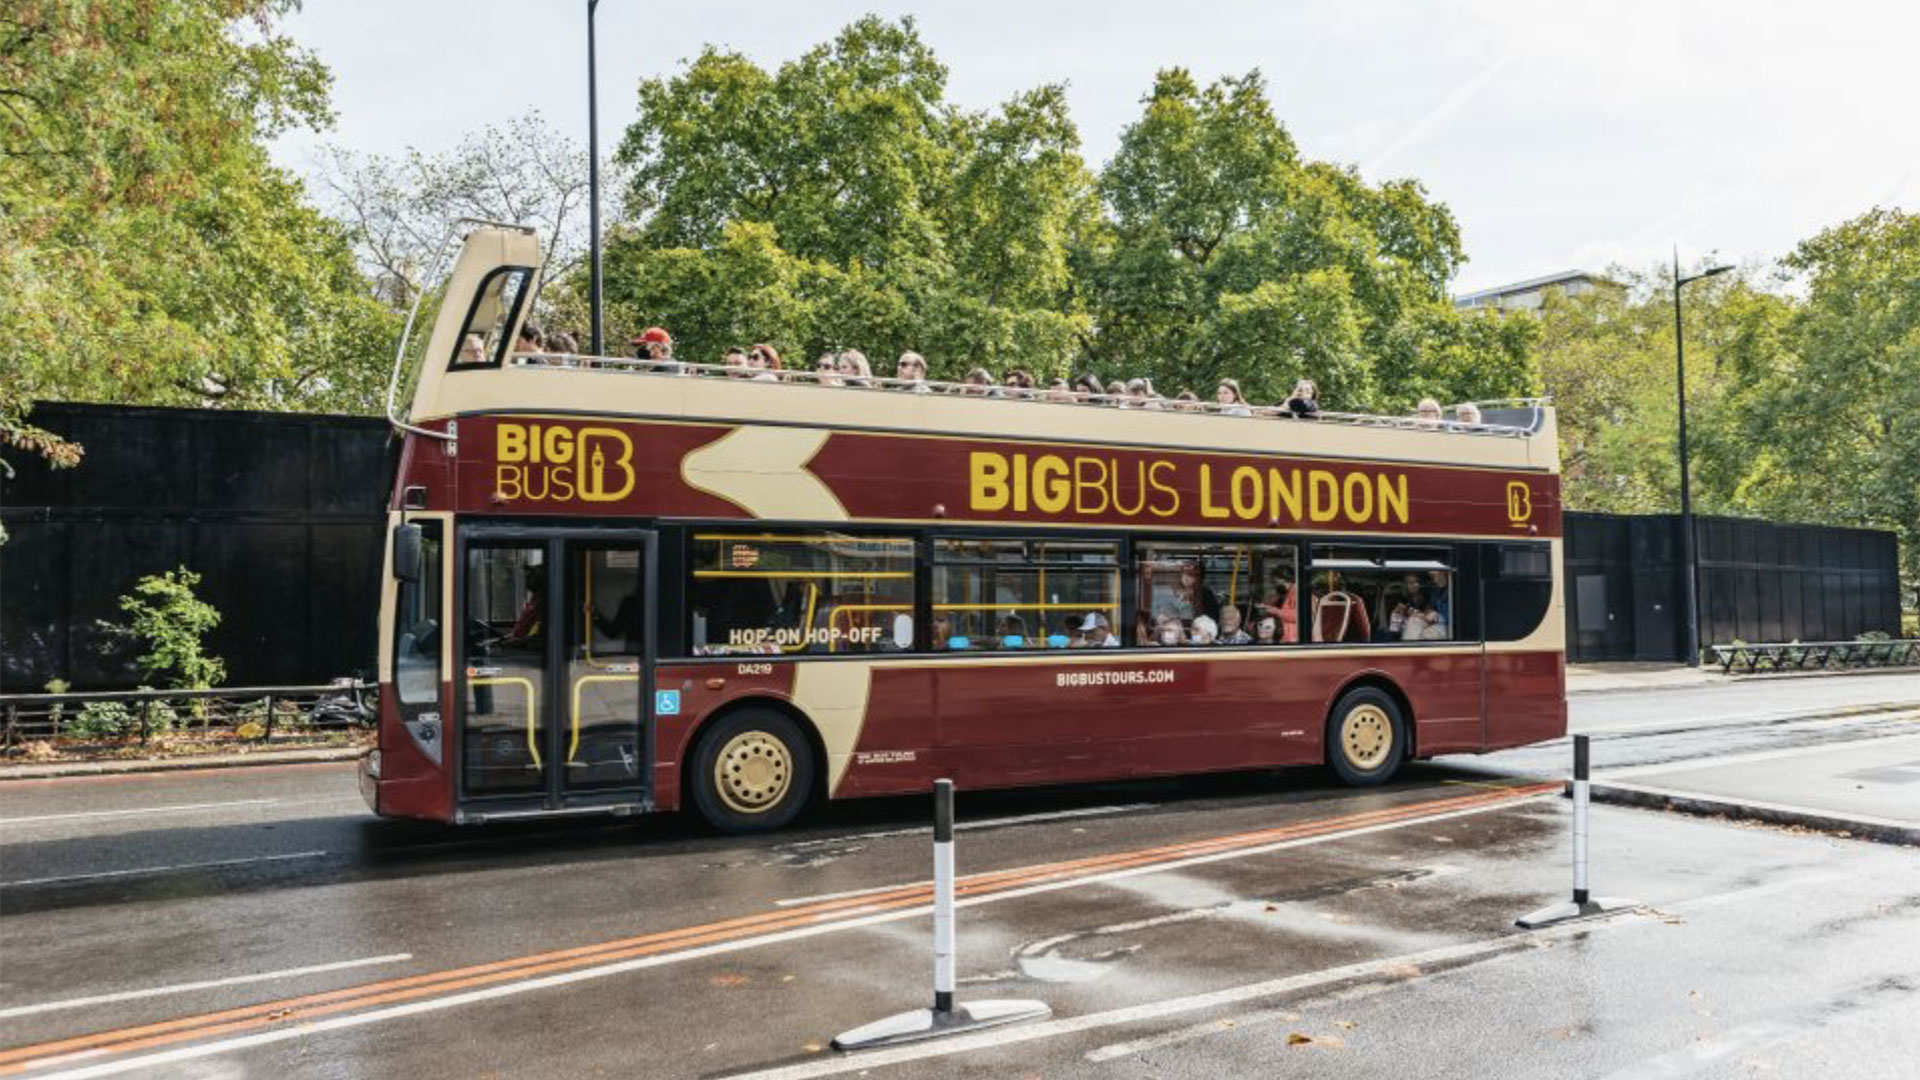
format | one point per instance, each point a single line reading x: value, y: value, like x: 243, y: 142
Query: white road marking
x: 208, y: 984
x: 511, y: 989
x: 180, y: 809
x: 159, y: 869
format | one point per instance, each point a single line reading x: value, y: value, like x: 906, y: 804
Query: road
x: 257, y: 922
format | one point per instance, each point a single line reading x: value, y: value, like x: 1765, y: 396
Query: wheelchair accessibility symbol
x: 666, y: 703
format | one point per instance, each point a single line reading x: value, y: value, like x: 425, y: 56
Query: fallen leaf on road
x: 730, y: 980
x: 1297, y: 1039
x: 1347, y: 1024
x: 813, y: 1046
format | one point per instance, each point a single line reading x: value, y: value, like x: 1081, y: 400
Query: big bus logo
x: 556, y: 463
x: 1519, y: 503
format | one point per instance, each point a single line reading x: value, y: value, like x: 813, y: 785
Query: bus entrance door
x: 604, y: 733
x: 557, y: 670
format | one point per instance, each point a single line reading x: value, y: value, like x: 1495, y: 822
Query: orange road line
x: 436, y: 983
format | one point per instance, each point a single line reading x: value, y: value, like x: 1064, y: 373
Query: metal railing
x: 87, y: 724
x: 1067, y: 397
x: 1743, y: 659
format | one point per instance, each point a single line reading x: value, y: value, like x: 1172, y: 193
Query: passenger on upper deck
x: 978, y: 383
x: 1468, y: 415
x: 766, y: 363
x: 1304, y: 402
x: 736, y: 363
x: 654, y: 343
x: 911, y: 370
x: 473, y: 349
x: 1058, y: 391
x: 1018, y: 384
x: 1429, y: 413
x: 853, y: 367
x: 1087, y: 388
x: 1230, y: 400
x: 530, y: 340
x: 826, y: 370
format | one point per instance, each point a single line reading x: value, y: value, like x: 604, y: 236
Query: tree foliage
x: 1206, y: 248
x: 1803, y: 402
x: 169, y: 621
x: 1226, y: 253
x: 876, y: 214
x: 149, y: 251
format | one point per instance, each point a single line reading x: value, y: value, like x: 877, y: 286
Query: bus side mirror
x: 406, y: 553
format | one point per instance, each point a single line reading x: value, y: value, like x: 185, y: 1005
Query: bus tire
x: 1366, y: 736
x: 752, y: 772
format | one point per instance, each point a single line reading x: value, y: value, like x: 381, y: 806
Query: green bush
x: 169, y: 620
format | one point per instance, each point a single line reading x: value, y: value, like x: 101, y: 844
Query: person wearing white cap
x: 1095, y: 633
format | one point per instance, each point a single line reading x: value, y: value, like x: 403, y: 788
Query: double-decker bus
x: 620, y: 586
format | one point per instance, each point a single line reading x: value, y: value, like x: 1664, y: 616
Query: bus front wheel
x: 753, y: 772
x: 1366, y: 736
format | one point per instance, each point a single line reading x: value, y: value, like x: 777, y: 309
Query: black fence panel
x: 1758, y: 582
x: 280, y: 513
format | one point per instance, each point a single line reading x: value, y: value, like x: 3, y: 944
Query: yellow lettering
x: 506, y: 482
x: 558, y: 447
x: 1140, y: 475
x: 1081, y: 484
x: 1172, y: 493
x: 1246, y: 492
x: 1359, y: 497
x: 1393, y: 498
x: 1284, y: 490
x: 1322, y: 507
x: 1051, y: 489
x: 1020, y: 482
x: 511, y: 443
x: 562, y: 482
x: 1207, y: 509
x: 989, y: 488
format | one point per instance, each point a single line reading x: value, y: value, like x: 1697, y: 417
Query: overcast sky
x: 1563, y: 135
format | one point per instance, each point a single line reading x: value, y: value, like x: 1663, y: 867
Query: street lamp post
x: 1689, y: 555
x: 593, y: 188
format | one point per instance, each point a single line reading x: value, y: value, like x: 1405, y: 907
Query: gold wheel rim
x: 753, y: 772
x: 1366, y: 737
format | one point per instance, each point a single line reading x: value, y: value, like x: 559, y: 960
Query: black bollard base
x: 1571, y: 912
x: 922, y: 1024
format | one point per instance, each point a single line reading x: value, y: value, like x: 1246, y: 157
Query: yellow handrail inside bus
x: 850, y: 609
x: 533, y: 709
x: 573, y: 745
x: 831, y: 574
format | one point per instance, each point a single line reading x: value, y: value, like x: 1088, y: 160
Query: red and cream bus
x: 618, y: 586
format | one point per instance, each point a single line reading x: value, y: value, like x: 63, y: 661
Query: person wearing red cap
x: 654, y: 343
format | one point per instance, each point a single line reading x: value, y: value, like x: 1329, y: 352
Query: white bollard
x: 945, y: 1018
x: 1583, y: 906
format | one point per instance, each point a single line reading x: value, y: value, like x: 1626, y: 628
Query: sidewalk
x: 53, y: 770
x: 1869, y: 788
x: 1600, y: 678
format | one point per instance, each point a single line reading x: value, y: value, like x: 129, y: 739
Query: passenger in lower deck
x: 1231, y: 632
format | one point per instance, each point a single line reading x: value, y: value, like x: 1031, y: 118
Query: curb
x: 1719, y: 679
x: 55, y: 770
x: 1881, y: 830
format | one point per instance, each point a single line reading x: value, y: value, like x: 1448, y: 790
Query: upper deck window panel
x: 487, y: 334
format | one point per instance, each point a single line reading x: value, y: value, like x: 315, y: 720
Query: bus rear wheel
x: 1366, y: 736
x: 753, y: 772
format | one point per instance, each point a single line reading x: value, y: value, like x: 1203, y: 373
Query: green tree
x: 904, y: 222
x: 1829, y: 388
x: 1227, y: 253
x: 149, y: 251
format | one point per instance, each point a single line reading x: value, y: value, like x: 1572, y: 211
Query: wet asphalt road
x: 1328, y: 944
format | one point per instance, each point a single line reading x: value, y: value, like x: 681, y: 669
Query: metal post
x: 593, y: 186
x: 13, y: 718
x: 1579, y: 819
x: 1583, y: 905
x: 268, y: 737
x: 1690, y: 591
x: 146, y: 720
x: 943, y: 944
x: 946, y: 1017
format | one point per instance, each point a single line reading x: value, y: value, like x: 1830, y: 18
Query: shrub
x: 169, y: 620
